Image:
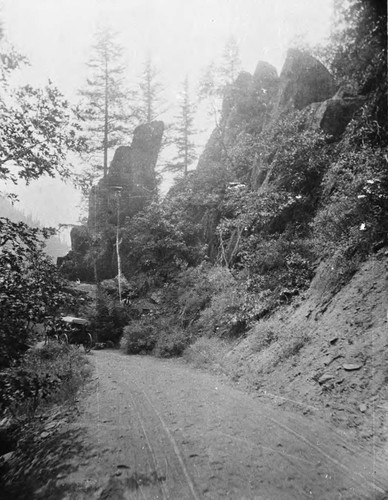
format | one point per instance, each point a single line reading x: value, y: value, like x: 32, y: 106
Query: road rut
x: 158, y: 429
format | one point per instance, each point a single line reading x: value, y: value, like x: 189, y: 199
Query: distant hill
x: 55, y: 247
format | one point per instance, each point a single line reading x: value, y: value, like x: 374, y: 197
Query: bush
x: 172, y: 341
x: 53, y: 373
x: 207, y: 352
x: 264, y: 334
x: 139, y: 337
x: 355, y: 204
x: 109, y: 319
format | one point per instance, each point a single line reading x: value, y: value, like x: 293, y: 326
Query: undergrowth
x: 268, y: 344
x: 52, y: 374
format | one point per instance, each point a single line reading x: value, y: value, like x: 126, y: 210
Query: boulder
x: 303, y: 81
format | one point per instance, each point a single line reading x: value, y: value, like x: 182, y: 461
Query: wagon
x: 75, y: 331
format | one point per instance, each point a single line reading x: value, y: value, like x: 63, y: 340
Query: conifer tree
x: 106, y: 106
x: 231, y: 63
x: 184, y: 131
x: 217, y: 76
x: 151, y: 100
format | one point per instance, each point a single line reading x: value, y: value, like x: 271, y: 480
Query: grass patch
x: 207, y: 352
x: 268, y: 344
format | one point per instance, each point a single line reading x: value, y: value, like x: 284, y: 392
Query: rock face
x: 247, y: 102
x: 303, y: 80
x: 266, y: 78
x: 333, y: 115
x: 127, y: 188
x: 130, y: 181
x: 252, y: 106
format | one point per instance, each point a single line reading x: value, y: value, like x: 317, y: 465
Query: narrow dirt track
x: 157, y: 429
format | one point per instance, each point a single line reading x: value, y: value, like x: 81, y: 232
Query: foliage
x: 157, y: 240
x: 172, y: 339
x: 50, y: 374
x: 159, y: 335
x: 231, y: 63
x: 30, y: 286
x: 218, y: 76
x: 55, y: 247
x: 186, y: 150
x: 354, y: 208
x: 36, y: 133
x: 109, y: 317
x: 105, y: 104
x: 171, y: 344
x: 356, y: 53
x: 139, y: 337
x: 152, y: 102
x: 191, y: 292
x: 300, y: 156
x: 208, y: 352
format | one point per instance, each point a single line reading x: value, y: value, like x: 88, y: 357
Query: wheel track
x: 170, y: 437
x: 204, y: 417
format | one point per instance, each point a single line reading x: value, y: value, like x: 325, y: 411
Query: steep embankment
x: 326, y: 354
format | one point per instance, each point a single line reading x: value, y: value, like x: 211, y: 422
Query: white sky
x: 183, y: 36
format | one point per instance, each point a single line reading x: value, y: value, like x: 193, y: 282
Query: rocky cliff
x: 253, y: 103
x: 253, y: 110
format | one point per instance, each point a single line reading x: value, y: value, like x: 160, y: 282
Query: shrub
x: 264, y: 334
x: 109, y: 319
x: 51, y: 374
x: 171, y: 340
x: 207, y: 352
x: 139, y: 337
x: 355, y: 203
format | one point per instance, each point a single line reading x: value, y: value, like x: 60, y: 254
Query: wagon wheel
x: 63, y: 338
x: 88, y: 342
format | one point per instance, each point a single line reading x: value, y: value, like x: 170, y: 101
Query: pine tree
x: 184, y: 131
x: 217, y: 76
x: 107, y: 105
x: 151, y: 90
x: 231, y: 63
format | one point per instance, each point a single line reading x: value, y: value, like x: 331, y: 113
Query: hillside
x: 324, y: 357
x: 269, y: 259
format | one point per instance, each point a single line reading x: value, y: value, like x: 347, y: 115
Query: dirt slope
x: 341, y: 371
x: 152, y: 429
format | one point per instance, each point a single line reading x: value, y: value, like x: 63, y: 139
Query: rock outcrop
x: 127, y: 188
x: 303, y: 81
x: 252, y: 106
x: 333, y: 115
x: 130, y: 181
x: 266, y: 78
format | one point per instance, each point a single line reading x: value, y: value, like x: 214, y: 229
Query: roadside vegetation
x: 269, y: 214
x: 215, y: 260
x: 37, y: 131
x: 42, y: 377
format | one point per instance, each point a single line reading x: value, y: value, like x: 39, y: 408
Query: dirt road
x: 158, y: 429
